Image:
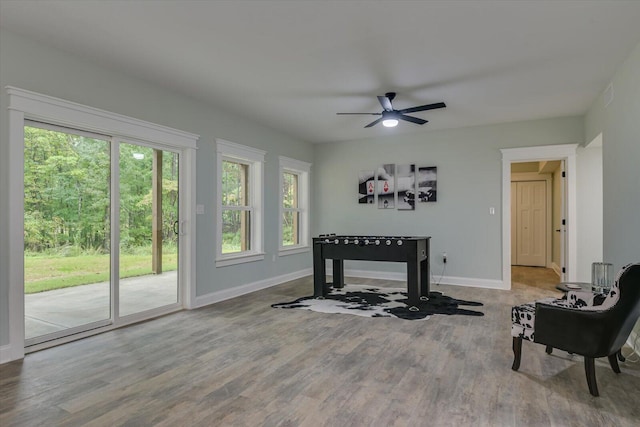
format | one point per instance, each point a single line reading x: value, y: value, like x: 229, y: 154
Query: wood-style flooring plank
x: 242, y: 363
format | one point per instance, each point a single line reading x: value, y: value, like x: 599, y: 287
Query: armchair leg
x: 613, y: 361
x: 549, y: 349
x: 517, y: 353
x: 590, y: 370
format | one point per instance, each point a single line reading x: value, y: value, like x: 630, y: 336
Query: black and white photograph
x: 366, y: 187
x: 406, y: 187
x: 385, y: 186
x: 427, y: 184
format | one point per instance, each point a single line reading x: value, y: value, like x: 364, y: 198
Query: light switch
x: 492, y: 211
x: 199, y: 209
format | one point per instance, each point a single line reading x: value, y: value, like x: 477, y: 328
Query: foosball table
x: 412, y: 250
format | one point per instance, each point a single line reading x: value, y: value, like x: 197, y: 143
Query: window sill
x: 293, y: 250
x: 239, y: 259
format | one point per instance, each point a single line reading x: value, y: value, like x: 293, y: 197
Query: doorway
x: 567, y: 240
x: 100, y: 228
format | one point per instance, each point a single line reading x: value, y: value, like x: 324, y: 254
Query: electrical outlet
x: 444, y: 257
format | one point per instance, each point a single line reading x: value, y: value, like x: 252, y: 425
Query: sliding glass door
x: 148, y: 228
x: 67, y: 231
x: 93, y: 206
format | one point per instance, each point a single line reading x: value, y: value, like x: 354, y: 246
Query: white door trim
x: 24, y: 104
x: 15, y: 214
x: 566, y: 152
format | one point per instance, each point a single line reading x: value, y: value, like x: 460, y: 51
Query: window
x: 240, y: 204
x: 294, y: 206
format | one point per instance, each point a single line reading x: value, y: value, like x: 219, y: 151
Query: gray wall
x: 469, y: 183
x: 36, y: 67
x: 589, y: 207
x: 620, y: 127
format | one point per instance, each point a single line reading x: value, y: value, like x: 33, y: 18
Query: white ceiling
x: 291, y: 65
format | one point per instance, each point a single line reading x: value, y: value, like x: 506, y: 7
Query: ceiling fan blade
x: 423, y: 107
x: 415, y: 120
x: 366, y: 114
x: 373, y: 123
x: 386, y: 103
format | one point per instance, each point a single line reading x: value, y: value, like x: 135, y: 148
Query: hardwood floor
x: 538, y: 277
x: 243, y: 363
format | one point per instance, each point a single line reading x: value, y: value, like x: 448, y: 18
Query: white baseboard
x: 473, y: 282
x: 555, y: 267
x: 445, y: 280
x: 237, y: 291
x: 6, y: 354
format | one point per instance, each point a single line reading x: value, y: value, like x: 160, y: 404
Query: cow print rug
x: 368, y: 301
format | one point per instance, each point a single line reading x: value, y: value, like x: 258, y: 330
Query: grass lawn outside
x: 46, y: 272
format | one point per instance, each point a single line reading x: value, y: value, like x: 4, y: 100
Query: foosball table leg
x: 338, y: 273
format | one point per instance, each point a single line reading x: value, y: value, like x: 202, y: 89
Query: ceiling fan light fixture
x: 390, y: 123
x: 391, y: 116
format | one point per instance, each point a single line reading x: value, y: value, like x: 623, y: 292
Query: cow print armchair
x: 584, y: 323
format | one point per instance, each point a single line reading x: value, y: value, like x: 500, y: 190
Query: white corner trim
x: 237, y: 291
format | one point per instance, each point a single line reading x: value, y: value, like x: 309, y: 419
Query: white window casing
x: 301, y: 170
x: 254, y: 159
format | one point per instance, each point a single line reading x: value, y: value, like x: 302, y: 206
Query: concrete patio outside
x: 52, y: 311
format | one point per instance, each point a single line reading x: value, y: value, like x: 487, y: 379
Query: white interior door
x: 531, y: 223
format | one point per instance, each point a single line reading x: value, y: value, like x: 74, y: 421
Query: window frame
x: 254, y: 159
x: 302, y: 171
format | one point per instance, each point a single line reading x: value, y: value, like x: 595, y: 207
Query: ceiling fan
x: 390, y: 116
